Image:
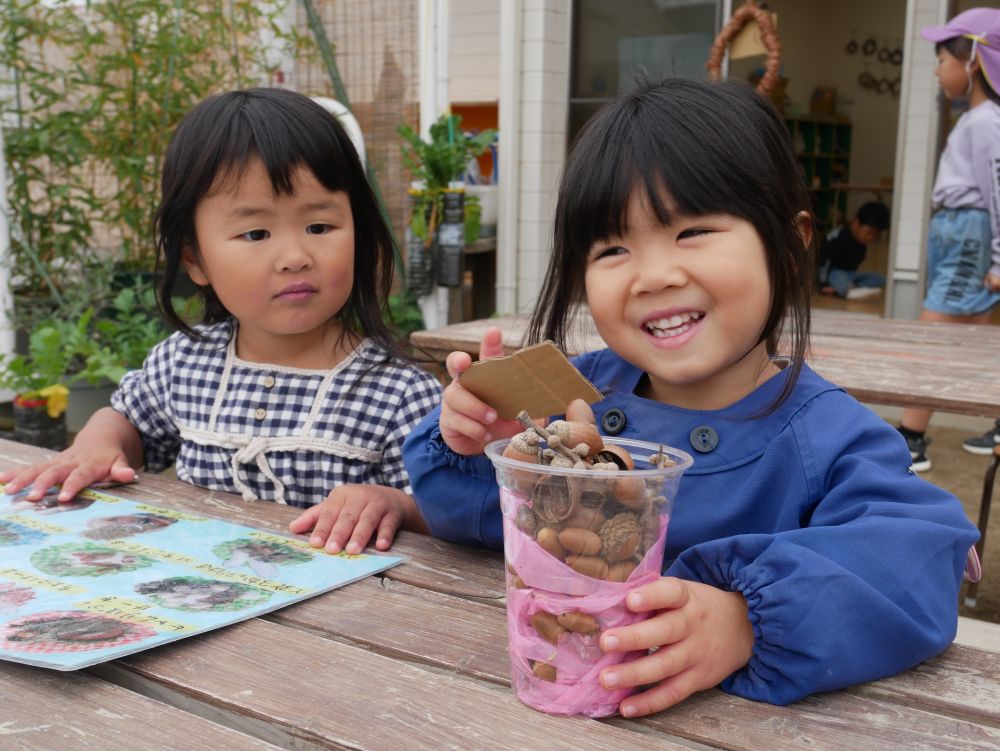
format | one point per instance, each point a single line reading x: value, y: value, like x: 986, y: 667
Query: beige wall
x: 474, y: 51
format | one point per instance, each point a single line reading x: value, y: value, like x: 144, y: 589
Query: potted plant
x: 436, y: 164
x: 40, y: 379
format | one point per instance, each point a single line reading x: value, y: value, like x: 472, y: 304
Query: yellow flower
x: 56, y: 397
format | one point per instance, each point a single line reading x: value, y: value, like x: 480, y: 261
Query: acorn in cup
x: 590, y: 521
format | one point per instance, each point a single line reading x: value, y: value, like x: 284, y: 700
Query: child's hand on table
x: 467, y: 423
x: 350, y: 515
x: 703, y: 635
x: 74, y: 469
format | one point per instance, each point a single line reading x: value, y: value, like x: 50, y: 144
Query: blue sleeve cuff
x: 457, y: 495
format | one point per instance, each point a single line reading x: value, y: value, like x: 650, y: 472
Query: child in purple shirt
x: 963, y: 243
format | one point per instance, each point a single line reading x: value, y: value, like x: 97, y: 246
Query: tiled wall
x: 543, y: 110
x: 916, y: 152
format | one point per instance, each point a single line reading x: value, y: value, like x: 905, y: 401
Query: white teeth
x: 674, y: 325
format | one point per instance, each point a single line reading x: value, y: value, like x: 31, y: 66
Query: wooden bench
x: 937, y: 366
x: 416, y: 659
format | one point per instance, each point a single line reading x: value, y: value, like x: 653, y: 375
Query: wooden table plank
x: 962, y: 682
x: 405, y: 622
x: 300, y: 690
x: 833, y: 722
x: 45, y: 709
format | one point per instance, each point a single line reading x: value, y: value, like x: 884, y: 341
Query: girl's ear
x: 193, y: 267
x: 804, y: 226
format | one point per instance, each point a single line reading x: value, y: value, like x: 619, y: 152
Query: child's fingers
x: 21, y: 478
x: 665, y: 593
x: 122, y: 471
x: 85, y: 475
x: 457, y: 363
x: 457, y: 425
x: 50, y: 476
x: 355, y: 525
x: 664, y: 628
x: 305, y: 521
x: 387, y: 529
x: 78, y: 479
x: 663, y: 663
x: 665, y: 694
x: 491, y: 344
x: 15, y: 479
x: 326, y: 515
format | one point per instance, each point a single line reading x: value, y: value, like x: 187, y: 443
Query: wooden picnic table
x: 938, y: 366
x: 416, y: 659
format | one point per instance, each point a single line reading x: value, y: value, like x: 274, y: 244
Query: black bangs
x: 284, y: 138
x: 678, y: 150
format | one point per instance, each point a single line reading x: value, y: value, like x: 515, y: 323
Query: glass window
x: 614, y: 41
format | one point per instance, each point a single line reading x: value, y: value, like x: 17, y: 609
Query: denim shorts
x: 958, y: 259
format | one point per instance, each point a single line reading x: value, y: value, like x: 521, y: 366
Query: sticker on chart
x: 126, y: 525
x: 13, y: 596
x: 70, y: 631
x: 199, y: 594
x: 12, y: 533
x: 87, y: 559
x: 260, y: 556
x: 49, y: 504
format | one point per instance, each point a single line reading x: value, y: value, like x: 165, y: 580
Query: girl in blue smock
x: 803, y: 554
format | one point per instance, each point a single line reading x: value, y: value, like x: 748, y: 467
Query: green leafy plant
x: 404, y: 316
x: 436, y: 163
x: 125, y: 333
x: 96, y: 348
x: 56, y: 354
x: 95, y: 90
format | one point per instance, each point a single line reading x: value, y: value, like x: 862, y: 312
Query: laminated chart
x: 101, y: 577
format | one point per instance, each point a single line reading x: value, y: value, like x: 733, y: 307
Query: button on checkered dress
x: 270, y: 432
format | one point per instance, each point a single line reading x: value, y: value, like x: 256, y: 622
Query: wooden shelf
x: 822, y: 145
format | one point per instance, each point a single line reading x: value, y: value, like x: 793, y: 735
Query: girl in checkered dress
x: 290, y: 388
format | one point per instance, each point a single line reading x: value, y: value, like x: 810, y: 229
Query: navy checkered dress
x: 271, y: 432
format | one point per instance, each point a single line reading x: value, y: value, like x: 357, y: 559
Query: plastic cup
x: 576, y: 541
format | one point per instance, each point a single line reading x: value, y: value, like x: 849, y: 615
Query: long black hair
x: 713, y: 148
x: 217, y: 141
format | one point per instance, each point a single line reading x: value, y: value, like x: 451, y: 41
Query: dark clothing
x: 840, y: 251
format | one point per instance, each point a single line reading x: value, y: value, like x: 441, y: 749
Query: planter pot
x: 84, y: 400
x: 32, y: 425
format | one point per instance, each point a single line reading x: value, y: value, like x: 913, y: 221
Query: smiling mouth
x: 664, y: 328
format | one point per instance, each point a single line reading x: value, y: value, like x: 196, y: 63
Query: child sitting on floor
x: 844, y: 250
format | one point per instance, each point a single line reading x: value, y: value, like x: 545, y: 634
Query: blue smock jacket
x: 850, y: 563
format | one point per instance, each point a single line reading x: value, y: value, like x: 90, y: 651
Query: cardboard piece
x: 747, y: 41
x: 538, y: 379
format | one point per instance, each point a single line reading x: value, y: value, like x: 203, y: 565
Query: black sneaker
x: 918, y: 453
x: 983, y: 444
